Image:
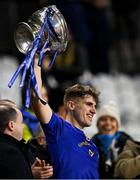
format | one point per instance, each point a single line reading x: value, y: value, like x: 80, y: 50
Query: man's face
x: 107, y: 125
x: 18, y: 126
x: 84, y: 111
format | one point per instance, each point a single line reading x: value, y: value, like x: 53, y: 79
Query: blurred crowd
x: 103, y: 51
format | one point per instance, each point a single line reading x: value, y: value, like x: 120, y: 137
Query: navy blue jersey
x: 73, y: 155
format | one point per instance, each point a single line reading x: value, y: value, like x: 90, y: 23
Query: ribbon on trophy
x: 27, y: 64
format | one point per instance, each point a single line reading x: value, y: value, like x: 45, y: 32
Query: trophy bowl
x: 25, y: 33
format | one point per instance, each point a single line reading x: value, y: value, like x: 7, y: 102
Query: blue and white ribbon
x: 27, y: 64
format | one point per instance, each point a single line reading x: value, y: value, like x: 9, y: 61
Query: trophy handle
x: 23, y: 37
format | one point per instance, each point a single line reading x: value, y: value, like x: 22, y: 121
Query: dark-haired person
x: 14, y: 154
x: 38, y: 145
x: 73, y: 155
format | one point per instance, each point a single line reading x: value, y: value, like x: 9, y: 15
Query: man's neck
x: 73, y: 121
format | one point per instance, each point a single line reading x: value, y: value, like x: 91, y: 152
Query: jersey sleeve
x: 54, y: 129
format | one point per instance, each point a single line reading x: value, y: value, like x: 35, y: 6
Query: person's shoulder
x: 124, y: 135
x: 58, y: 118
x: 56, y: 124
x: 132, y: 145
x: 6, y: 147
x: 10, y: 144
x: 96, y: 140
x: 94, y: 137
x: 8, y: 151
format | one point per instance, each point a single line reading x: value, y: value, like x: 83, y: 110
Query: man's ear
x: 71, y: 105
x: 10, y: 125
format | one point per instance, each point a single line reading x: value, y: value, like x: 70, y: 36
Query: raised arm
x: 43, y: 112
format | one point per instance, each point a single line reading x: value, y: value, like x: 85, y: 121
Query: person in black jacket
x: 109, y: 140
x: 14, y: 153
x: 38, y: 145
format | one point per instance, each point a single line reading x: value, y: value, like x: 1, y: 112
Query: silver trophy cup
x: 25, y: 33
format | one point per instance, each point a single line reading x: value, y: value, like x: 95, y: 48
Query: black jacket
x: 38, y: 151
x: 107, y: 161
x: 14, y: 163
